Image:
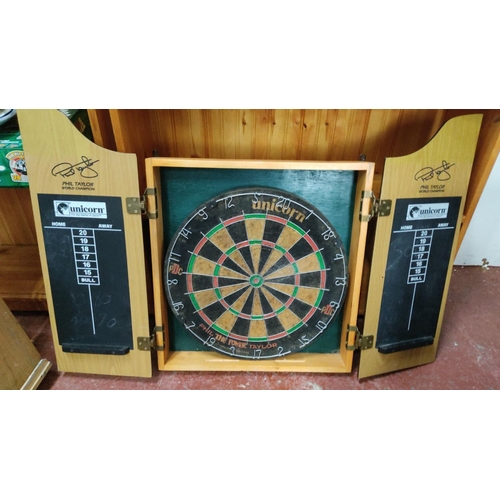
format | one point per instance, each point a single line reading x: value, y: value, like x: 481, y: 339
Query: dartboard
x: 256, y: 273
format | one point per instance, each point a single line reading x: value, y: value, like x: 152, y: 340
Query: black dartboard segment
x: 256, y: 273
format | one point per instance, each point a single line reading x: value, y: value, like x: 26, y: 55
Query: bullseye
x: 256, y: 280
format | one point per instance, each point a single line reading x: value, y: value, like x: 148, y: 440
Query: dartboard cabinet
x: 258, y: 275
x: 254, y: 265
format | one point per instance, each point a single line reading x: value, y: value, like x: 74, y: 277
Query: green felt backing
x: 330, y: 191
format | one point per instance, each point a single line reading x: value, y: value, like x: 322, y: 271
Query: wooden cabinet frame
x: 340, y: 361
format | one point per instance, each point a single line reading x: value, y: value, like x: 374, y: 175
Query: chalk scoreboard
x: 87, y: 261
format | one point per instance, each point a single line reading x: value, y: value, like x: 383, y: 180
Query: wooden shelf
x: 21, y: 282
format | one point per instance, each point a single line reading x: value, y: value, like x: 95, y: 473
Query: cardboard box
x: 13, y: 171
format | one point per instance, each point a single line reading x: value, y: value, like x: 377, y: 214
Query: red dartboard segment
x: 232, y: 220
x: 276, y: 219
x: 277, y: 336
x: 323, y: 279
x: 268, y: 244
x: 200, y: 244
x: 311, y: 242
x: 256, y: 281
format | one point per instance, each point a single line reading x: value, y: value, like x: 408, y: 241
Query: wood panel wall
x: 298, y: 134
x: 275, y: 134
x: 17, y: 224
x: 332, y: 135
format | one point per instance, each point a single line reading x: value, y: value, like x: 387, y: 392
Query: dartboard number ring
x: 256, y: 273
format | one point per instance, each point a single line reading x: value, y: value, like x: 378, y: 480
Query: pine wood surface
x: 455, y: 143
x: 294, y: 134
x: 49, y: 139
x: 17, y: 225
x: 102, y: 128
x: 21, y: 281
x: 210, y: 362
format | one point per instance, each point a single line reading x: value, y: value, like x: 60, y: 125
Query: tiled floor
x: 466, y: 357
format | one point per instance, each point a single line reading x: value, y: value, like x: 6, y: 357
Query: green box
x: 12, y: 164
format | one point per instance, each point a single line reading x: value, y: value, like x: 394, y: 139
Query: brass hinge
x: 382, y: 208
x: 361, y: 342
x: 148, y: 343
x: 137, y: 205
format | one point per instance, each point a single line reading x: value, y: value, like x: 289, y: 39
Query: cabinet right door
x: 415, y: 246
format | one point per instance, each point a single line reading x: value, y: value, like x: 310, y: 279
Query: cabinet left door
x: 91, y: 247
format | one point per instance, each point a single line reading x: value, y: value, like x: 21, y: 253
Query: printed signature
x: 427, y: 173
x: 67, y: 169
